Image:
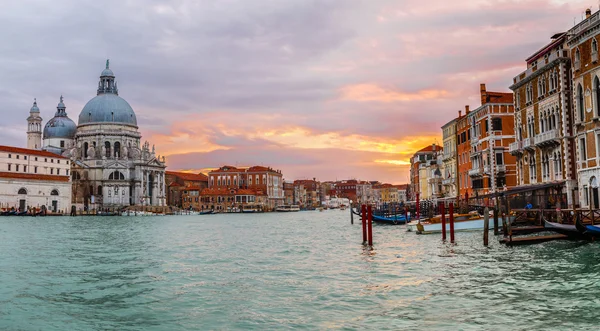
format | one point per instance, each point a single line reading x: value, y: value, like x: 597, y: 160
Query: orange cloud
x: 372, y: 92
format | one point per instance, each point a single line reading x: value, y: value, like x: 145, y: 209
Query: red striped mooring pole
x: 370, y: 227
x: 452, y: 222
x: 363, y: 210
x: 443, y: 212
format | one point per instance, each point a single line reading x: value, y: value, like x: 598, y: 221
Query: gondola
x: 207, y: 212
x: 394, y: 220
x: 567, y: 229
x: 21, y: 213
x: 587, y: 230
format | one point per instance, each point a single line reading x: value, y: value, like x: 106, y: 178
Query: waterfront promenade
x: 305, y: 270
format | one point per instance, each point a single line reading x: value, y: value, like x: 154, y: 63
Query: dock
x: 532, y: 240
x: 521, y: 230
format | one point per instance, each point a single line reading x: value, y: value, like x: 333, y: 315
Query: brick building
x: 257, y: 178
x: 178, y: 182
x: 463, y: 150
x: 492, y: 131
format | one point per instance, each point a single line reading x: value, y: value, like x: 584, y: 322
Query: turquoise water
x: 305, y: 270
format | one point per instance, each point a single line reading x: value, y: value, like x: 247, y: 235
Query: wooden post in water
x: 364, y: 222
x: 443, y: 212
x: 370, y: 227
x: 418, y: 208
x: 495, y: 217
x: 486, y: 225
x: 351, y: 214
x: 452, y: 222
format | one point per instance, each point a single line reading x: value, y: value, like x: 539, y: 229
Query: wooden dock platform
x: 532, y: 240
x: 521, y: 230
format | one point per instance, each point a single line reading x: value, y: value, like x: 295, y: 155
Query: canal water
x: 305, y: 270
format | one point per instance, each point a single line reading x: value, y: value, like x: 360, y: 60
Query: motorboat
x: 287, y: 208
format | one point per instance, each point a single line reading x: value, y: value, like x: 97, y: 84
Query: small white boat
x: 424, y: 227
x: 287, y: 208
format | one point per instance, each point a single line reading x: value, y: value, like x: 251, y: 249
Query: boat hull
x: 567, y: 229
x: 429, y: 228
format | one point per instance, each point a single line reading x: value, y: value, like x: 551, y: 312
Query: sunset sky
x: 331, y: 89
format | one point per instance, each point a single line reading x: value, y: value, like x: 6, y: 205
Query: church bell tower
x: 34, y: 128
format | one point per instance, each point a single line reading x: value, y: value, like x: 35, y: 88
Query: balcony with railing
x: 527, y: 143
x: 448, y: 181
x: 474, y: 140
x: 515, y: 147
x: 546, y: 138
x: 475, y: 172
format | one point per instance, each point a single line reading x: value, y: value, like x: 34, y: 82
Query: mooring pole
x: 370, y: 227
x: 351, y: 214
x: 443, y: 212
x: 452, y: 222
x: 418, y: 211
x: 486, y: 225
x: 364, y: 222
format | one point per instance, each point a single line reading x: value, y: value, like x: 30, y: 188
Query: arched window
x: 117, y: 152
x: 85, y: 149
x: 594, y: 46
x: 99, y: 189
x: 22, y: 190
x: 577, y: 55
x: 580, y: 102
x: 54, y: 192
x: 116, y: 175
x: 107, y: 147
x: 75, y: 175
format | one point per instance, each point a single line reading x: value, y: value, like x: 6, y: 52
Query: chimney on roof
x: 467, y: 110
x: 459, y: 113
x: 588, y: 13
x: 483, y: 93
x: 433, y: 147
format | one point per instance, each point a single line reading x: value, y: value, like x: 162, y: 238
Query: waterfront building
x: 257, y: 178
x: 450, y: 166
x: 31, y: 178
x: 111, y: 168
x: 307, y: 193
x: 233, y: 199
x: 402, y: 192
x: 583, y: 43
x: 179, y: 183
x: 492, y: 131
x: 463, y: 159
x: 544, y: 146
x: 346, y: 189
x: 421, y: 171
x: 288, y: 193
x: 365, y: 192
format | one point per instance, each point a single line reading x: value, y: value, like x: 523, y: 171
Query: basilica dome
x: 107, y: 106
x: 60, y: 126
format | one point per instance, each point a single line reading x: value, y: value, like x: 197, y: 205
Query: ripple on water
x: 303, y: 270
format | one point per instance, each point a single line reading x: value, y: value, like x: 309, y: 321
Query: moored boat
x: 566, y: 229
x: 287, y: 208
x: 462, y: 222
x: 587, y: 230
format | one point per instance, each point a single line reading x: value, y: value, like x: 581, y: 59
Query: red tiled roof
x: 224, y: 191
x: 429, y: 148
x: 10, y: 149
x: 259, y: 168
x: 227, y: 168
x: 188, y: 176
x: 192, y: 188
x: 174, y: 184
x: 18, y: 175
